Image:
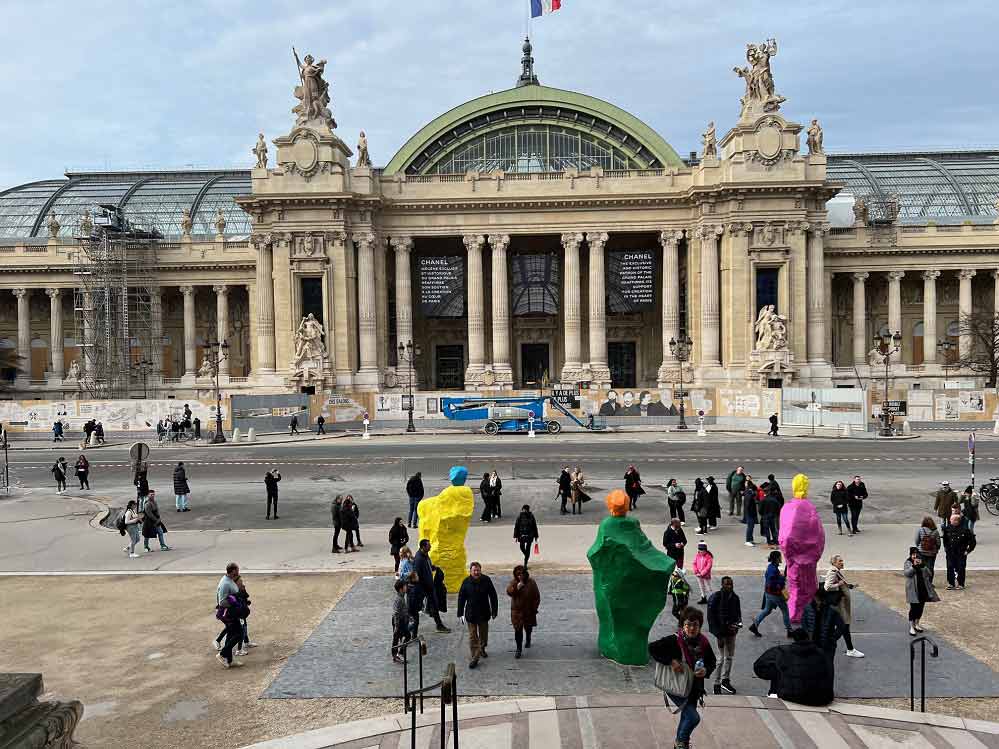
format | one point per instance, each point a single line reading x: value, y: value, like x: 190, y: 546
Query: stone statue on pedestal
x: 186, y: 222
x: 313, y: 93
x: 73, y: 373
x: 309, y: 361
x: 363, y: 158
x: 771, y: 330
x: 759, y: 78
x: 860, y: 211
x: 206, y: 369
x: 53, y: 225
x: 220, y: 222
x: 260, y: 151
x: 815, y: 138
x: 86, y: 223
x: 710, y: 142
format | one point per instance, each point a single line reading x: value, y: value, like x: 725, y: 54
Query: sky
x: 165, y: 85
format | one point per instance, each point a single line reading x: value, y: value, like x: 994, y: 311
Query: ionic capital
x: 819, y: 230
x: 337, y: 236
x: 53, y: 293
x: 220, y: 289
x: 967, y: 274
x: 739, y: 227
x: 262, y: 241
x: 860, y: 277
x: 930, y: 275
x: 499, y: 242
x: 572, y: 240
x: 365, y: 239
x: 20, y: 293
x: 896, y: 275
x: 474, y: 241
x: 186, y: 290
x: 670, y: 237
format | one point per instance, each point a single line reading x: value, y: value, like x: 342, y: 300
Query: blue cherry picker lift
x: 512, y: 413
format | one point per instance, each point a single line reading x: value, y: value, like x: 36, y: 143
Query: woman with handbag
x: 578, y: 482
x: 675, y: 498
x: 838, y: 596
x: 525, y: 600
x: 683, y: 662
x: 633, y: 486
x: 398, y: 538
x: 525, y: 531
x: 152, y: 523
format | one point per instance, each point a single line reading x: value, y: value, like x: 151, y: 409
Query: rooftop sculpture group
x: 759, y: 78
x: 313, y: 93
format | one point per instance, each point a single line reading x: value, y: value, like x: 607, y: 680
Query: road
x: 227, y: 482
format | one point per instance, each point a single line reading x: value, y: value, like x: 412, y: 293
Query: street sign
x: 813, y: 407
x: 971, y: 443
x: 897, y: 407
x: 680, y: 395
x: 566, y: 395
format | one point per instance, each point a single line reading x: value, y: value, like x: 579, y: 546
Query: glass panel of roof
x: 20, y: 206
x: 220, y: 195
x: 159, y: 205
x: 83, y: 196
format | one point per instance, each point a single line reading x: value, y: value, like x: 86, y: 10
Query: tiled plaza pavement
x: 347, y: 655
x: 642, y: 722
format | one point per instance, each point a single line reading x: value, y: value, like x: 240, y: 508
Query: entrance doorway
x: 534, y: 364
x: 450, y: 367
x: 621, y: 361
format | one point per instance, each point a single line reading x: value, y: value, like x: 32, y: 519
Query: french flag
x: 544, y: 7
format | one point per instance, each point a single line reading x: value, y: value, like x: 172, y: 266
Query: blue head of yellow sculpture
x: 458, y: 475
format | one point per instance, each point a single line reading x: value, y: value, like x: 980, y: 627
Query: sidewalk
x: 643, y: 721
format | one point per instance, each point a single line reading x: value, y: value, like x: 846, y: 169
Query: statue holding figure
x: 220, y: 222
x: 771, y: 330
x: 309, y: 340
x: 53, y: 225
x: 186, y: 222
x: 815, y: 138
x: 363, y: 157
x: 206, y: 369
x: 260, y: 151
x: 73, y: 373
x: 710, y: 142
x: 313, y: 92
x: 759, y: 78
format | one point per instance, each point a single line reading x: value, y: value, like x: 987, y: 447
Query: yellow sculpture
x: 444, y: 521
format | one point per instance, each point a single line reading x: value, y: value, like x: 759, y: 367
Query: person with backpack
x: 181, y: 488
x: 734, y: 485
x: 675, y: 499
x: 958, y: 542
x: 928, y: 543
x: 525, y: 531
x: 83, y: 471
x: 701, y: 506
x: 724, y: 622
x: 271, y: 480
x: 152, y: 524
x: 415, y: 492
x: 228, y: 610
x: 398, y: 537
x: 679, y: 590
x: 57, y: 431
x: 59, y: 469
x: 129, y: 523
x: 774, y: 584
x: 244, y: 598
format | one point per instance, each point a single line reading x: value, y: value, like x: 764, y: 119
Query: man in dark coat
x: 180, y: 487
x: 477, y: 604
x: 773, y: 425
x: 271, y: 479
x: 958, y: 542
x: 564, y: 488
x: 724, y: 622
x: 414, y: 489
x: 294, y: 424
x: 735, y: 484
x: 425, y: 580
x: 197, y: 427
x: 335, y: 507
x: 675, y: 541
x: 321, y: 424
x: 525, y: 531
x: 714, y: 506
x: 799, y: 672
x: 856, y: 492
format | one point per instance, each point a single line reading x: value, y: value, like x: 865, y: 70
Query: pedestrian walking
x: 714, y: 505
x: 321, y: 424
x: 525, y: 531
x: 401, y: 626
x: 928, y: 542
x: 674, y: 541
x: 703, y: 562
x: 799, y: 672
x: 495, y: 492
x: 837, y: 595
x: 59, y: 470
x: 398, y: 538
x: 228, y: 610
x: 734, y: 485
x: 525, y: 600
x: 750, y: 514
x: 856, y: 494
x: 181, y: 488
x: 175, y: 427
x: 336, y: 506
x: 944, y: 500
x: 969, y: 507
x: 919, y: 589
x: 724, y: 622
x: 769, y: 510
x: 426, y: 579
x: 414, y: 490
x: 271, y: 480
x: 701, y: 506
x: 578, y: 495
x: 152, y: 523
x: 197, y: 427
x: 405, y: 570
x: 349, y: 520
x: 485, y: 491
x: 772, y: 486
x: 676, y: 498
x: 958, y: 542
x: 774, y: 584
x: 774, y: 424
x: 678, y: 588
x: 839, y: 498
x: 132, y: 525
x: 683, y: 662
x: 294, y: 425
x: 99, y: 431
x: 477, y: 604
x: 244, y: 598
x: 633, y: 486
x: 141, y: 482
x: 564, y: 488
x: 57, y: 435
x: 83, y: 472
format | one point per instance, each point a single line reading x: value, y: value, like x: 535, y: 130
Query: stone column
x: 266, y: 359
x: 501, y: 311
x: 964, y: 342
x: 156, y: 332
x: 23, y: 333
x: 403, y: 291
x: 367, y: 313
x: 670, y: 241
x: 190, y: 341
x: 995, y: 293
x: 829, y: 318
x: 571, y: 314
x: 859, y: 319
x: 816, y: 314
x: 710, y: 318
x: 599, y: 371
x: 222, y: 321
x: 88, y: 332
x: 476, y: 321
x: 895, y: 307
x: 56, y: 354
x: 930, y: 316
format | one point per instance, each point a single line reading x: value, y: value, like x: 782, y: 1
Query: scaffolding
x: 113, y: 305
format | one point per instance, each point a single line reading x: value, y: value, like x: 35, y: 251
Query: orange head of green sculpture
x: 618, y: 503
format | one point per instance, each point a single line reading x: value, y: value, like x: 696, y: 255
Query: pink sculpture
x: 802, y: 541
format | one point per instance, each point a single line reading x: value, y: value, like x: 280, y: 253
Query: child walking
x: 702, y: 570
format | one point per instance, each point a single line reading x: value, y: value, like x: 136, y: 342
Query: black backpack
x: 680, y: 497
x: 120, y: 523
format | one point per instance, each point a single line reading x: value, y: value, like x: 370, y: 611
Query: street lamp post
x: 681, y: 352
x: 143, y: 367
x: 216, y: 354
x: 408, y: 354
x: 945, y: 347
x: 886, y: 344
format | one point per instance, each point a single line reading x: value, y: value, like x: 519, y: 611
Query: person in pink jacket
x: 702, y: 570
x: 802, y: 540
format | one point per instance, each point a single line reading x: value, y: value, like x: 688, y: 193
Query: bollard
x: 995, y: 429
x: 251, y: 434
x: 236, y: 434
x: 93, y: 439
x: 701, y: 432
x: 906, y: 427
x: 845, y: 430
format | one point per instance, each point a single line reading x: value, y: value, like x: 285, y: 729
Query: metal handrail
x: 934, y: 653
x: 422, y: 650
x: 449, y: 696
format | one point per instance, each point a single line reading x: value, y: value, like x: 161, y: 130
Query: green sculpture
x: 629, y: 584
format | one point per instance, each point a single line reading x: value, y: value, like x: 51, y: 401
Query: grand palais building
x: 525, y: 238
